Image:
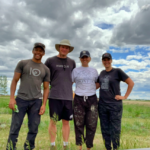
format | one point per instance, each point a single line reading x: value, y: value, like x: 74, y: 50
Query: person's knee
x: 52, y: 123
x: 65, y: 123
x: 15, y: 125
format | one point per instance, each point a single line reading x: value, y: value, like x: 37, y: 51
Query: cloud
x: 131, y: 64
x: 119, y: 51
x: 134, y: 31
x: 139, y: 56
x: 24, y: 22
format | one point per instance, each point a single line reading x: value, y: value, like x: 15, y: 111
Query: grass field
x: 135, y: 128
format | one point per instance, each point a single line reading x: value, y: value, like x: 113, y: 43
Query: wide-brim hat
x: 66, y: 43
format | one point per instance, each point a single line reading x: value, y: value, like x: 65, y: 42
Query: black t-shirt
x: 110, y: 85
x: 60, y: 79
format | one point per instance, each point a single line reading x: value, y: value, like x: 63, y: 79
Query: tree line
x: 3, y: 85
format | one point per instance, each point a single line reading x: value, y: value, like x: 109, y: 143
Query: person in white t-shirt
x: 85, y: 101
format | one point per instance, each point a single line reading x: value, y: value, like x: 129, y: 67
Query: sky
x: 120, y: 27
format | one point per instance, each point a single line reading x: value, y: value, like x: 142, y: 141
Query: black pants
x: 32, y: 108
x: 110, y: 119
x: 85, y: 114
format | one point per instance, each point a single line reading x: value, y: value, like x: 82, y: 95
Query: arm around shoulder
x: 97, y: 86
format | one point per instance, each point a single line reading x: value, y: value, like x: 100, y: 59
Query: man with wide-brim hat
x: 65, y: 43
x: 60, y: 96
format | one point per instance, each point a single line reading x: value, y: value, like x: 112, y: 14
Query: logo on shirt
x: 105, y: 83
x: 62, y: 66
x: 35, y: 72
x: 86, y: 80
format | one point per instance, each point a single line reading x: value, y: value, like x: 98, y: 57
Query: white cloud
x: 131, y: 64
x: 146, y: 7
x: 139, y: 56
x: 119, y: 51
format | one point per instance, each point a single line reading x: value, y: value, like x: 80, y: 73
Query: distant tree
x: 3, y: 85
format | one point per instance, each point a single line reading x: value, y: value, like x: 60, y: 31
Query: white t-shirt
x: 85, y: 79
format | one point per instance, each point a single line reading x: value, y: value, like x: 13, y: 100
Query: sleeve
x: 73, y: 75
x: 96, y: 76
x: 47, y: 76
x: 19, y: 67
x: 122, y: 75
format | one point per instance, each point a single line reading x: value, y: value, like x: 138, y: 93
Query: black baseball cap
x: 106, y: 55
x: 84, y: 53
x: 39, y: 45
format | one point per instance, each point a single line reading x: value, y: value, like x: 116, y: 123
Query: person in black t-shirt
x: 110, y: 101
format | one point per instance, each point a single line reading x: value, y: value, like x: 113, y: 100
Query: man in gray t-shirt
x: 60, y: 96
x: 32, y: 73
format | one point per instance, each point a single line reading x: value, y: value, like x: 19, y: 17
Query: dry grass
x: 145, y: 103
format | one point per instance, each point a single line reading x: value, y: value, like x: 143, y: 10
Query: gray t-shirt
x: 60, y: 77
x: 32, y: 76
x: 110, y: 85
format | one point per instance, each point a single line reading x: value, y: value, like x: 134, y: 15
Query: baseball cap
x: 84, y: 53
x: 39, y: 45
x: 106, y: 55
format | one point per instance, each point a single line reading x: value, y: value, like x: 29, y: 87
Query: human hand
x: 42, y: 110
x: 119, y: 97
x: 12, y: 103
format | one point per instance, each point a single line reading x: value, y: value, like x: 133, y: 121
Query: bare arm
x: 129, y: 89
x: 45, y: 96
x: 97, y: 86
x: 14, y: 82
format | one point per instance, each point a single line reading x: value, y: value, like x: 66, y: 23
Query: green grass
x: 135, y: 128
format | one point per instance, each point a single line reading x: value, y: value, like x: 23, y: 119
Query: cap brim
x: 57, y: 47
x: 84, y: 55
x: 106, y: 57
x: 40, y: 46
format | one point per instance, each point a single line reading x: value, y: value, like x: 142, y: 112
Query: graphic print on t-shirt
x: 86, y: 77
x: 35, y: 72
x: 63, y: 66
x: 105, y: 82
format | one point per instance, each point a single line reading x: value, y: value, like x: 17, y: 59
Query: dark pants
x: 31, y: 107
x: 110, y: 119
x: 85, y: 114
